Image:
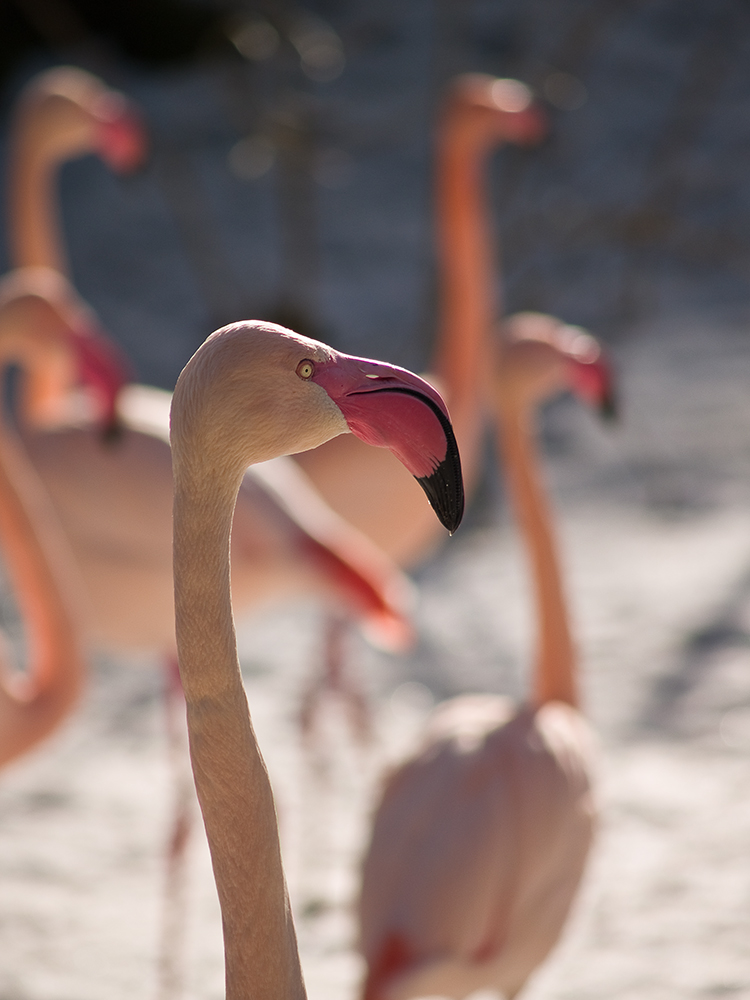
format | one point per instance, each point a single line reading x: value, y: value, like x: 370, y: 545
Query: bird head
x: 255, y: 390
x: 67, y: 112
x: 72, y: 371
x: 486, y: 110
x: 538, y: 357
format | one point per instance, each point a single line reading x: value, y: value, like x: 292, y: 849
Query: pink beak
x: 594, y: 383
x: 392, y: 408
x: 121, y: 139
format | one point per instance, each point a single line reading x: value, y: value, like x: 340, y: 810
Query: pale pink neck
x: 35, y: 233
x: 466, y: 268
x: 230, y: 776
x: 42, y: 574
x: 554, y: 671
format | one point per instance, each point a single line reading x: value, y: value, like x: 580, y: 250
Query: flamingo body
x: 493, y: 819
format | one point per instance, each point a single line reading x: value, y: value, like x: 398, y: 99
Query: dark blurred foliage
x: 150, y: 32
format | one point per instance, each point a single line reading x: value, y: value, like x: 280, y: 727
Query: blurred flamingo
x: 291, y: 393
x: 60, y: 115
x: 371, y: 490
x: 38, y: 338
x: 481, y: 837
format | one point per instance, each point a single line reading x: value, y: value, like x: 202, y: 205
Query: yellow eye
x: 305, y: 369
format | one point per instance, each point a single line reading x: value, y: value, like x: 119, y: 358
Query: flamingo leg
x: 334, y: 680
x: 171, y: 968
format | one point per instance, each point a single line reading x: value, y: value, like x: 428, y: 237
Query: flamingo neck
x: 234, y: 791
x: 35, y: 231
x: 33, y: 703
x: 466, y: 266
x: 554, y: 672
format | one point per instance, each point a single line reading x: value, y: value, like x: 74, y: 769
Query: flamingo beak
x: 121, y: 136
x: 392, y: 408
x: 593, y: 381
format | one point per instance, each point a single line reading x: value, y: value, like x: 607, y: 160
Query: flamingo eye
x: 305, y: 368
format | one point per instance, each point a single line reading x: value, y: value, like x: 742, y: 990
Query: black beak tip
x: 445, y: 487
x: 452, y: 521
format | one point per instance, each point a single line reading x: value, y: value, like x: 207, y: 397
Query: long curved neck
x: 33, y: 703
x: 35, y: 234
x: 554, y: 671
x: 231, y: 779
x: 467, y: 268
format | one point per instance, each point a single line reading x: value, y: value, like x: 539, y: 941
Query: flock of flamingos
x: 123, y: 529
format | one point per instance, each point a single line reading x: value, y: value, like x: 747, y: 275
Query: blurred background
x: 290, y: 161
x: 289, y: 176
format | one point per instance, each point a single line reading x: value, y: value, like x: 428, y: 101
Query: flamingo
x: 370, y: 489
x: 40, y: 337
x: 61, y: 114
x: 252, y: 391
x: 480, y: 838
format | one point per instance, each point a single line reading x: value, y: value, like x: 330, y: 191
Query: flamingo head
x: 67, y: 112
x: 255, y: 390
x: 83, y: 384
x: 72, y: 372
x: 539, y: 357
x: 485, y: 110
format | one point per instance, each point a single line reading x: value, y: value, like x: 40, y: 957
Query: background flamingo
x: 371, y: 490
x: 291, y: 393
x: 61, y: 114
x: 480, y: 838
x: 38, y: 337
